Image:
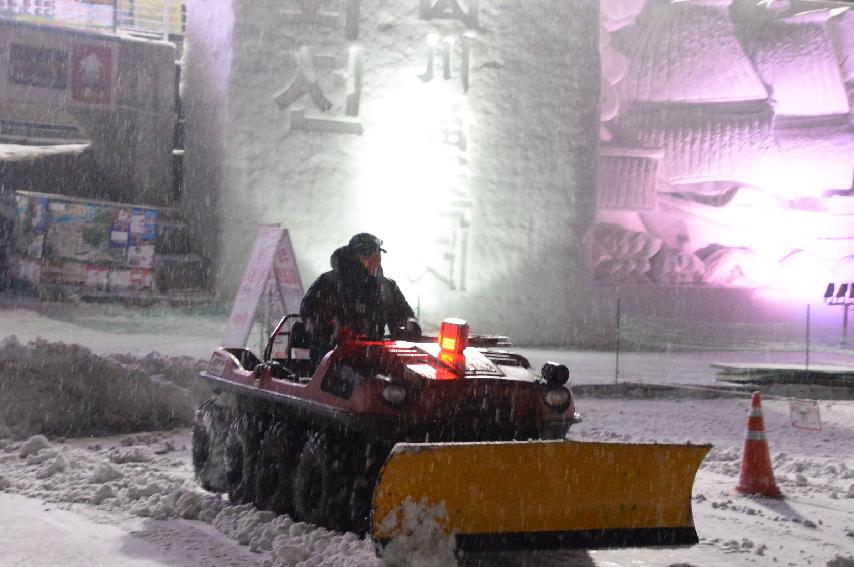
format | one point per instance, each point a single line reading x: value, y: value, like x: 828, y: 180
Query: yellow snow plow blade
x: 543, y: 493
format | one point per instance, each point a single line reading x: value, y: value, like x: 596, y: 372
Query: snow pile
x: 59, y: 390
x: 814, y: 470
x: 148, y: 475
x: 123, y: 476
x: 424, y: 540
x: 66, y: 390
x: 294, y: 543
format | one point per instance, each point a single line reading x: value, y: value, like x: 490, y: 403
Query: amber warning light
x: 453, y: 340
x: 453, y: 336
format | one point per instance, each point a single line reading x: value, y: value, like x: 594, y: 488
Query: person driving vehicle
x: 355, y: 298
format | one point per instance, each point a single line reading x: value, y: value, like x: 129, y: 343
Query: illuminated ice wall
x: 727, y: 145
x: 462, y: 132
x: 693, y: 158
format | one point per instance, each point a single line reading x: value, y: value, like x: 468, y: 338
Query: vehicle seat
x: 298, y: 356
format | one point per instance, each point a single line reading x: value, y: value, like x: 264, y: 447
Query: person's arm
x: 399, y: 315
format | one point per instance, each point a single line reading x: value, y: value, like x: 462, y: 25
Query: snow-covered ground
x: 127, y: 496
x: 113, y: 328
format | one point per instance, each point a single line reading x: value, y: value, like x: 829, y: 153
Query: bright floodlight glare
x: 406, y: 163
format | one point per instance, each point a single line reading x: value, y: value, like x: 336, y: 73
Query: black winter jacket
x: 350, y: 297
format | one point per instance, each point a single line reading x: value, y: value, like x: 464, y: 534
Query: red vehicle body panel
x: 491, y: 401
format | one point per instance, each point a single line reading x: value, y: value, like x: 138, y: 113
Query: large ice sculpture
x: 617, y: 14
x: 627, y: 178
x: 686, y: 53
x: 818, y: 158
x: 842, y: 33
x: 622, y: 255
x: 796, y: 59
x: 729, y: 155
x: 700, y: 143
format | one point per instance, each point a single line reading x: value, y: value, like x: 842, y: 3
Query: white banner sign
x: 269, y: 243
x: 804, y: 414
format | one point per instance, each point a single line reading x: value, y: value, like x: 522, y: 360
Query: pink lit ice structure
x: 727, y: 153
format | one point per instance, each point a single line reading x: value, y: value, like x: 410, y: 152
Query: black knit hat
x: 365, y: 244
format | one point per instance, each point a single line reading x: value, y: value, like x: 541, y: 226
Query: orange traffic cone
x: 757, y: 475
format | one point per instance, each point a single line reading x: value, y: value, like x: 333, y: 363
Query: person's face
x: 372, y: 262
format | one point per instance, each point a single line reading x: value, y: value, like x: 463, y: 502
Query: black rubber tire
x: 274, y: 470
x: 201, y: 444
x: 210, y: 426
x: 367, y: 461
x: 241, y: 448
x: 322, y: 485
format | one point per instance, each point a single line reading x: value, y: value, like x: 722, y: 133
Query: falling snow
x: 135, y: 476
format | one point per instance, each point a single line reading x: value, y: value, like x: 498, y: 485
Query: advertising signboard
x: 72, y: 242
x: 38, y: 66
x: 271, y: 271
x: 252, y: 286
x: 92, y: 74
x: 804, y: 414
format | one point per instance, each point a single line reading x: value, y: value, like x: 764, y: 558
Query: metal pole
x: 265, y: 326
x: 617, y: 362
x: 257, y: 318
x: 165, y: 20
x: 845, y: 326
x: 115, y: 16
x: 807, y: 364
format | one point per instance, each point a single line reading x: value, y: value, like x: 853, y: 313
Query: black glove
x: 411, y: 330
x: 276, y: 369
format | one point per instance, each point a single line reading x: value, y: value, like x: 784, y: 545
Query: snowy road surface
x: 196, y: 332
x: 37, y: 533
x: 131, y: 499
x: 98, y: 490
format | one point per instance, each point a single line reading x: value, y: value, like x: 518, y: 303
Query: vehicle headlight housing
x: 555, y: 374
x: 557, y: 398
x: 394, y: 394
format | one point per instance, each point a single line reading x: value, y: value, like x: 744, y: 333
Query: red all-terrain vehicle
x: 455, y: 420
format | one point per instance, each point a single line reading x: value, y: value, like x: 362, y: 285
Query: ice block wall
x: 727, y: 145
x: 463, y: 133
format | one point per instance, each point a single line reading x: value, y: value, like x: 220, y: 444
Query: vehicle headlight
x: 557, y: 398
x: 555, y: 374
x: 394, y: 394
